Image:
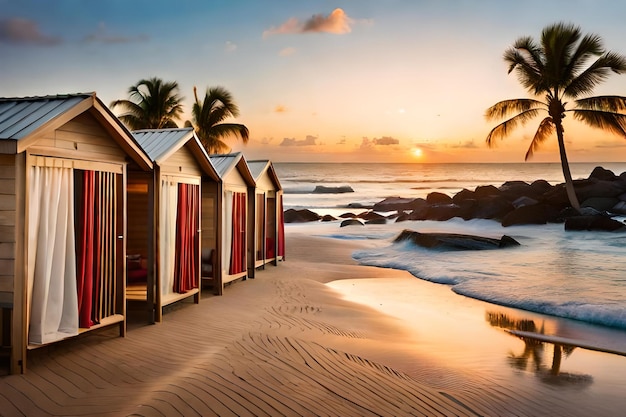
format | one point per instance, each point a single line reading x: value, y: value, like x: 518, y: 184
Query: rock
x: 603, y: 174
x: 540, y: 187
x: 442, y: 212
x: 492, y: 207
x: 352, y: 222
x: 524, y: 201
x: 619, y: 208
x: 300, y: 216
x: 455, y: 241
x: 533, y: 214
x: 600, y: 203
x: 599, y: 188
x: 328, y: 218
x: 399, y: 204
x: 377, y: 221
x: 463, y: 195
x: 594, y: 223
x: 486, y: 191
x: 321, y: 189
x: 347, y: 215
x: 370, y: 215
x: 438, y: 198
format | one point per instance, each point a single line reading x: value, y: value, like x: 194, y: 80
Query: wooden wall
x: 209, y: 214
x: 138, y: 228
x: 7, y: 228
x: 81, y: 138
x: 181, y: 162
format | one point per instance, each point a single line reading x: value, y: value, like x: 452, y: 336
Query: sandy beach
x: 320, y: 335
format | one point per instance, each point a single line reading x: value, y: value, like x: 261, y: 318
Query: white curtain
x: 227, y: 230
x: 51, y: 297
x: 167, y: 236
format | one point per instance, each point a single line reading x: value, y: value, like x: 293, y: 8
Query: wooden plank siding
x: 181, y: 162
x: 81, y: 138
x: 7, y: 228
x: 138, y: 228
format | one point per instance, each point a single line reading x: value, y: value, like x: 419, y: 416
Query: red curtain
x: 238, y: 244
x: 187, y: 223
x: 281, y: 228
x: 96, y: 247
x: 85, y: 258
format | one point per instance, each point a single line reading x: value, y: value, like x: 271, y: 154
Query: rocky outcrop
x: 300, y: 216
x: 321, y: 189
x: 455, y: 241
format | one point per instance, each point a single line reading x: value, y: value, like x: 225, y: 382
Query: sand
x: 291, y: 342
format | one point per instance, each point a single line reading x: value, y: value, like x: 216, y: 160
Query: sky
x: 316, y: 80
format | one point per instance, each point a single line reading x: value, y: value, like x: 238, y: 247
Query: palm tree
x: 208, y: 115
x: 556, y: 70
x: 153, y: 104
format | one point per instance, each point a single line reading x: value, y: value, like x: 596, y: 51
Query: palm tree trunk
x: 569, y: 183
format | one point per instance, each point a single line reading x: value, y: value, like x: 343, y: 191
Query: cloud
x: 384, y: 141
x: 309, y: 141
x: 465, y: 145
x: 287, y: 51
x: 337, y: 23
x: 280, y: 109
x: 610, y: 145
x: 23, y: 31
x: 102, y: 35
x: 266, y: 141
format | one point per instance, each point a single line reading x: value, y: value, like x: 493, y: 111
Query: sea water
x: 575, y: 275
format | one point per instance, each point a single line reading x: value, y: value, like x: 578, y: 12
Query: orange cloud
x: 337, y: 23
x: 23, y: 31
x: 280, y: 109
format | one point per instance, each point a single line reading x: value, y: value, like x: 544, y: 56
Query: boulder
x: 442, y: 212
x: 347, y: 215
x: 540, y: 187
x: 352, y: 222
x: 300, y: 216
x: 463, y: 195
x: 486, y: 191
x: 533, y: 214
x: 524, y: 201
x: 328, y: 218
x: 619, y: 208
x: 436, y: 198
x: 399, y: 204
x: 603, y: 174
x: 600, y: 203
x: 321, y: 189
x: 492, y: 207
x: 370, y: 215
x: 455, y: 241
x: 594, y: 223
x: 377, y: 221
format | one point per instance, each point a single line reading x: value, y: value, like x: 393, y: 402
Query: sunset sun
x: 417, y: 152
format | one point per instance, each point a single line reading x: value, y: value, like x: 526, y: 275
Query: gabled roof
x: 225, y: 163
x: 160, y: 144
x: 22, y: 119
x: 260, y: 167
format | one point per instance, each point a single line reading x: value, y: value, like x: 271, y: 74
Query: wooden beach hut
x: 267, y: 241
x: 165, y: 219
x: 63, y: 172
x: 235, y: 223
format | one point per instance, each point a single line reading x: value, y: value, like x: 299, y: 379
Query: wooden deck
x: 204, y: 361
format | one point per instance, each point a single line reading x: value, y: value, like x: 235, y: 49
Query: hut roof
x: 225, y: 163
x: 23, y: 118
x: 160, y: 144
x: 259, y: 167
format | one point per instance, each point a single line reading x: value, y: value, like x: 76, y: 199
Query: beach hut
x: 63, y: 172
x: 267, y: 241
x: 165, y: 219
x: 235, y: 223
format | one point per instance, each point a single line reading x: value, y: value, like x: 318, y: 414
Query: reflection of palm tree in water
x: 534, y: 351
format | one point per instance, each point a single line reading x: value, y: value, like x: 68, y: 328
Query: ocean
x: 573, y: 275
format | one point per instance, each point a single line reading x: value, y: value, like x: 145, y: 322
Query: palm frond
x: 545, y: 129
x: 602, y: 103
x: 503, y: 129
x: 525, y: 59
x: 506, y: 107
x: 605, y: 120
x: 596, y: 73
x: 590, y: 46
